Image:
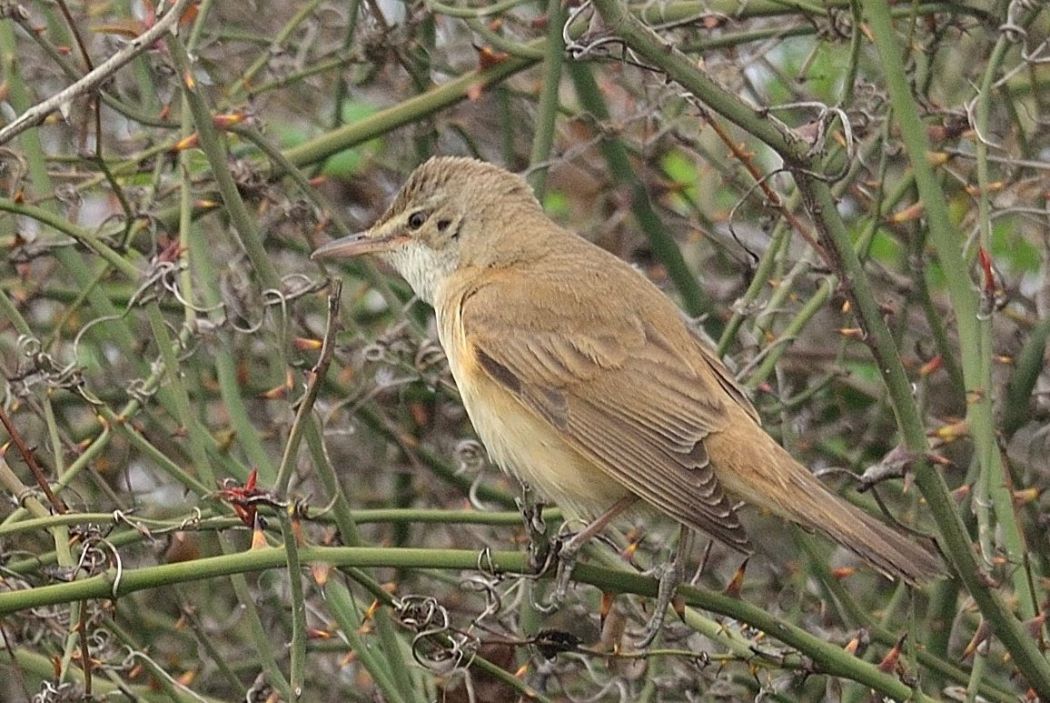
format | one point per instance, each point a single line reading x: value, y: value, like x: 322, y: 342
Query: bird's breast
x: 518, y: 440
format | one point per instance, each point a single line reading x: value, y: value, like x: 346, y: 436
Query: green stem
x: 974, y: 335
x: 994, y: 481
x: 826, y: 657
x: 547, y: 110
x: 664, y: 246
x: 282, y: 36
x: 823, y: 208
x: 243, y: 222
x: 406, y: 112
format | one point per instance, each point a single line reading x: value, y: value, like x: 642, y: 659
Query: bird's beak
x: 357, y: 244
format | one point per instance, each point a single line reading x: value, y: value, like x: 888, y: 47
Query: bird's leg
x: 568, y: 551
x: 539, y: 545
x: 671, y: 576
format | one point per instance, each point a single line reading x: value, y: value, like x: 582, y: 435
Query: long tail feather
x: 751, y: 465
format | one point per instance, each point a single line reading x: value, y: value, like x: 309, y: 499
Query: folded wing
x: 634, y: 401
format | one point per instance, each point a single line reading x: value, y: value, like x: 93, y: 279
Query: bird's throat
x: 422, y: 267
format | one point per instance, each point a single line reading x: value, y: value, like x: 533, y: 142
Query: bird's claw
x: 539, y: 544
x: 564, y: 553
x: 539, y: 557
x: 566, y: 556
x: 549, y: 606
x: 670, y: 576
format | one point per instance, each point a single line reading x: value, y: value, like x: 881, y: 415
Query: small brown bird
x: 585, y: 381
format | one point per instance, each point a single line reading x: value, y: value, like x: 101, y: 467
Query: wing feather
x: 635, y: 401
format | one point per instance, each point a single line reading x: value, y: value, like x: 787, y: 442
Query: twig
x: 27, y: 456
x: 762, y: 181
x: 317, y: 374
x: 92, y: 80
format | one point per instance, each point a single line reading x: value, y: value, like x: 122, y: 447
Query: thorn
x: 605, y: 608
x: 843, y: 572
x: 320, y: 572
x: 937, y: 158
x: 1035, y: 625
x: 1026, y: 495
x: 678, y: 603
x: 889, y: 662
x: 980, y: 636
x: 993, y: 187
x: 737, y: 582
x: 229, y: 119
x: 908, y: 214
x: 296, y: 524
x: 986, y: 269
x: 489, y: 57
x: 952, y: 431
x: 931, y: 366
x: 258, y: 535
x: 185, y: 143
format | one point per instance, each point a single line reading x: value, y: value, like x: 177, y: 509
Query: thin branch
x: 92, y: 80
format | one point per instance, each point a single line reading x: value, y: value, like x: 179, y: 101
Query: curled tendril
x: 39, y: 367
x: 608, y: 685
x: 193, y: 522
x: 472, y: 494
x: 479, y: 583
x: 421, y: 613
x: 469, y: 456
x: 374, y: 352
x: 94, y: 557
x: 68, y: 195
x: 436, y: 645
x: 260, y: 690
x: 140, y: 390
x: 161, y: 278
x: 119, y: 516
x: 429, y: 356
x: 839, y: 25
x: 51, y: 692
x: 14, y: 11
x: 1012, y: 28
x: 18, y: 171
x: 288, y: 293
x: 129, y: 662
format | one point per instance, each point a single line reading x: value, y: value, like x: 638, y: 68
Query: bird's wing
x: 725, y: 379
x: 635, y: 402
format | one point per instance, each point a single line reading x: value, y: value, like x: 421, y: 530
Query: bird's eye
x: 416, y: 219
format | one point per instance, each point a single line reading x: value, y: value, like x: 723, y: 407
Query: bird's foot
x: 566, y: 551
x: 565, y: 554
x: 540, y: 556
x: 539, y: 549
x: 670, y: 577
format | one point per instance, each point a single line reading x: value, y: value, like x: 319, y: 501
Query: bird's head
x: 451, y: 213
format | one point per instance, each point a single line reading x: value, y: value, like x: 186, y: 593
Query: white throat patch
x: 424, y: 268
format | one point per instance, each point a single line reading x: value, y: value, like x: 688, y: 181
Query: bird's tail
x: 751, y: 465
x: 887, y: 549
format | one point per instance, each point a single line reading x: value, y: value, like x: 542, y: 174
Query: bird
x: 586, y: 382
